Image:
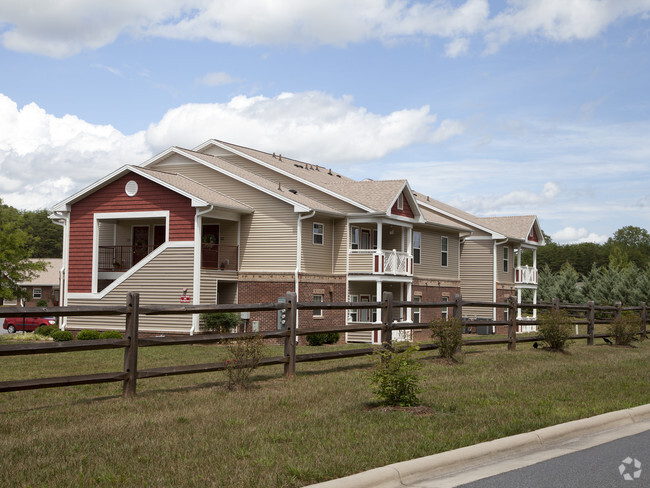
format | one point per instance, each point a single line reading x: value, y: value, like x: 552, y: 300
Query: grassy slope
x: 191, y: 431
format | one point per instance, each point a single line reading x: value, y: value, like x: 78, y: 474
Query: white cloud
x: 44, y: 158
x: 60, y: 29
x: 457, y: 47
x: 571, y: 235
x: 216, y: 79
x: 309, y: 125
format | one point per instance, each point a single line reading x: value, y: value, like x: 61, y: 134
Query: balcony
x: 525, y: 275
x: 219, y: 256
x: 121, y: 258
x: 394, y: 263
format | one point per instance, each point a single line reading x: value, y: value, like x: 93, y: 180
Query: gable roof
x: 49, y: 277
x: 516, y: 227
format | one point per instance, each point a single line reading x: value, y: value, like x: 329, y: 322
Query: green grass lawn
x: 192, y: 431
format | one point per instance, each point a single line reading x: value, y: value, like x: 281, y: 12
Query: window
x: 505, y: 314
x: 444, y: 311
x: 400, y: 202
x: 417, y: 247
x: 444, y: 255
x: 374, y: 238
x: 354, y: 237
x: 319, y: 232
x: 365, y: 239
x: 37, y: 293
x: 374, y: 310
x: 318, y: 312
x: 416, y: 311
x: 506, y: 254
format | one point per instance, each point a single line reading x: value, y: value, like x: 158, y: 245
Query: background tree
x: 48, y: 236
x: 15, y: 253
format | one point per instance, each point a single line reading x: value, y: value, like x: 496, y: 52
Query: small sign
x: 185, y: 299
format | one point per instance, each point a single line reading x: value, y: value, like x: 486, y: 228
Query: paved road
x: 623, y: 462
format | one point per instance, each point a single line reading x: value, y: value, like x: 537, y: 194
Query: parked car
x: 31, y: 323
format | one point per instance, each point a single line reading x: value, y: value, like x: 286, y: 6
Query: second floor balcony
x: 119, y: 259
x: 384, y: 262
x: 525, y: 275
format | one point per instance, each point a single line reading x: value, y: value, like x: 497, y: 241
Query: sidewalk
x: 460, y: 466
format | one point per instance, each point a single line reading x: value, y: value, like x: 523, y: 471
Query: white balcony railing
x: 393, y: 263
x: 525, y: 275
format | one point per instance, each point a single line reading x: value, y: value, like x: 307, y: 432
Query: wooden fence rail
x: 132, y: 342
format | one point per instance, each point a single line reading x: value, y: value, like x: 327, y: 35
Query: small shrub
x: 624, y: 329
x: 41, y: 303
x: 88, y: 335
x: 396, y: 377
x: 111, y: 334
x: 62, y: 335
x: 45, y: 330
x: 449, y: 334
x: 245, y: 353
x: 221, y: 322
x: 322, y: 338
x: 555, y: 329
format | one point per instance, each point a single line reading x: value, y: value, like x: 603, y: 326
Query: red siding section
x: 406, y: 210
x: 112, y: 198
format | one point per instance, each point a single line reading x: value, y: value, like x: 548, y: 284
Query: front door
x: 140, y: 243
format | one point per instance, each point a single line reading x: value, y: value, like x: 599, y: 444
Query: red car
x: 31, y: 323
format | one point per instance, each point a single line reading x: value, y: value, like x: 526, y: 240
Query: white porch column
x: 379, y: 298
x: 379, y: 237
x: 535, y: 302
x: 519, y: 301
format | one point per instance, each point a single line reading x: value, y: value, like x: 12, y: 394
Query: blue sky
x: 499, y: 108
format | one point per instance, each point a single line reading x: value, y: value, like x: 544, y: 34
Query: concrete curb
x: 398, y: 474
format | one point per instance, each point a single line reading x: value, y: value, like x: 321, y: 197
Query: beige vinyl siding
x: 268, y: 236
x: 317, y: 258
x: 361, y: 261
x: 476, y: 275
x: 508, y: 277
x: 160, y: 282
x: 340, y: 229
x: 289, y: 183
x: 430, y: 266
x: 209, y: 279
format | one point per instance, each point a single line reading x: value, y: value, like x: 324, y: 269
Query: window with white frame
x: 319, y: 233
x: 400, y: 202
x: 318, y: 312
x: 444, y: 251
x: 37, y: 293
x: 444, y: 311
x: 417, y: 247
x: 416, y: 310
x: 506, y: 255
x: 354, y: 237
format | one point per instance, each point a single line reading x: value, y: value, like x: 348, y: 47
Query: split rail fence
x: 588, y: 314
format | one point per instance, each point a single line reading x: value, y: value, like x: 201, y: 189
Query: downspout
x: 299, y: 251
x: 63, y: 219
x: 197, y: 266
x: 494, y: 280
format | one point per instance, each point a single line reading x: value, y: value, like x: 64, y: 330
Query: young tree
x: 15, y: 251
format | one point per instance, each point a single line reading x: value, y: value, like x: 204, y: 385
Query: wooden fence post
x: 619, y: 312
x: 458, y: 315
x: 644, y: 320
x: 387, y: 320
x: 512, y: 326
x: 131, y: 351
x: 591, y: 318
x: 556, y: 304
x: 290, y: 340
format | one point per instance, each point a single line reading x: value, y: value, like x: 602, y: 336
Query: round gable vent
x: 131, y: 188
